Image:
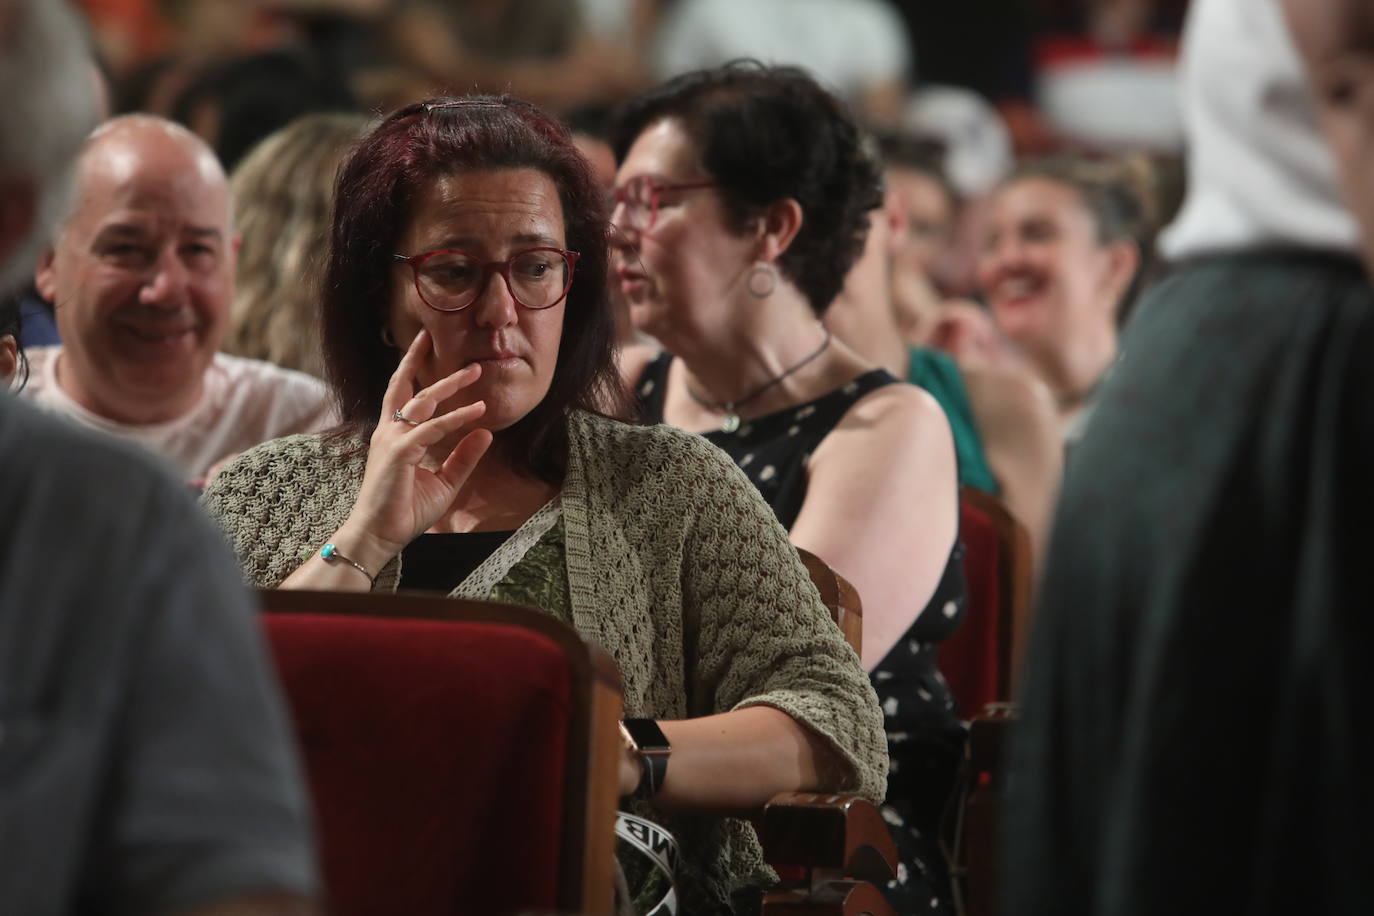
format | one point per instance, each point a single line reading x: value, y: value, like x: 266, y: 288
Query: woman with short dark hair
x: 742, y: 202
x: 468, y: 336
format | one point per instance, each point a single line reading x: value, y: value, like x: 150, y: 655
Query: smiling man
x: 142, y: 275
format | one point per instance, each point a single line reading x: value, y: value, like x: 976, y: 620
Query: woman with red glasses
x: 742, y: 201
x: 468, y: 336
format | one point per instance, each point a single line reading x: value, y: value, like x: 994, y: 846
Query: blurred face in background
x: 926, y: 228
x: 1042, y: 270
x: 599, y: 154
x: 142, y: 273
x: 602, y: 159
x: 43, y: 53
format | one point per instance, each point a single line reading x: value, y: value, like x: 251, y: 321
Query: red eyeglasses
x: 450, y: 281
x: 640, y: 197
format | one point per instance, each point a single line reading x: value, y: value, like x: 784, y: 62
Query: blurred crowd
x: 1082, y: 74
x: 1049, y: 101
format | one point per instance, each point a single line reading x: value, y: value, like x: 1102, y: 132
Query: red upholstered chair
x: 431, y: 736
x: 461, y: 754
x: 979, y: 662
x: 979, y: 659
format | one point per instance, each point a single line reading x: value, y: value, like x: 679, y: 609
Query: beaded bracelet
x: 330, y: 554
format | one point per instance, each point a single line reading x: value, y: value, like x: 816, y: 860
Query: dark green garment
x: 540, y: 579
x: 937, y: 373
x: 1195, y: 733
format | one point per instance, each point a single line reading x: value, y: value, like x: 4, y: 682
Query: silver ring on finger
x: 402, y: 418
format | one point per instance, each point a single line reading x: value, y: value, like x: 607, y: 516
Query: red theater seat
x: 978, y: 659
x: 460, y: 754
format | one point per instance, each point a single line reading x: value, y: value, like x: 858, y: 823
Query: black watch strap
x: 647, y: 740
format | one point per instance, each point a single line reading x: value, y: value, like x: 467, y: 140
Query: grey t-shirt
x: 145, y: 759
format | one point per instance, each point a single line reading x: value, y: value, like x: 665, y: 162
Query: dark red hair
x: 376, y: 193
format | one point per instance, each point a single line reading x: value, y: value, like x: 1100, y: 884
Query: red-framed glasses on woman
x: 451, y: 280
x: 640, y: 197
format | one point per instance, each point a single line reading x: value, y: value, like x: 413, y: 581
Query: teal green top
x: 937, y: 373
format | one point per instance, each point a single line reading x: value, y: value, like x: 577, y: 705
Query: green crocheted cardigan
x: 675, y: 565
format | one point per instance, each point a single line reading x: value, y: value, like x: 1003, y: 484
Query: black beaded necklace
x: 730, y: 422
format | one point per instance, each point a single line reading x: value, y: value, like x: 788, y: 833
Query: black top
x: 924, y: 736
x: 440, y: 562
x: 773, y: 450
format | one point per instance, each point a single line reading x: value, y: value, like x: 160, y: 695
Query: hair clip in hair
x: 464, y: 103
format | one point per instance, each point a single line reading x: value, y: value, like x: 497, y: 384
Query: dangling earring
x: 761, y: 281
x: 387, y: 337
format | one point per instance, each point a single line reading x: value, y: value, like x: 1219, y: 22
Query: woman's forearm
x: 734, y: 762
x: 339, y: 573
x: 315, y: 573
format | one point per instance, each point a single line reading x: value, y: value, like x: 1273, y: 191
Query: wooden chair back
x: 839, y: 596
x: 978, y: 846
x: 461, y: 754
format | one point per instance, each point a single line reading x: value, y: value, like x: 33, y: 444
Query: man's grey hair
x: 50, y: 107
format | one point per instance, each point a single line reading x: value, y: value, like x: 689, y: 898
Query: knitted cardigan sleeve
x: 765, y: 638
x: 279, y: 502
x: 754, y: 630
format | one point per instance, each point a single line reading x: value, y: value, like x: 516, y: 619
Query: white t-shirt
x: 1259, y: 172
x: 245, y: 402
x: 849, y: 45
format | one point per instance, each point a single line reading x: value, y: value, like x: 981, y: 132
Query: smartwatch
x: 647, y: 740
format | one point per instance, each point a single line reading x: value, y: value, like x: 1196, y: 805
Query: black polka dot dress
x: 924, y: 736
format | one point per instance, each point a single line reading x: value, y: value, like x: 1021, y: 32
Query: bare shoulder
x: 900, y: 407
x: 898, y: 421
